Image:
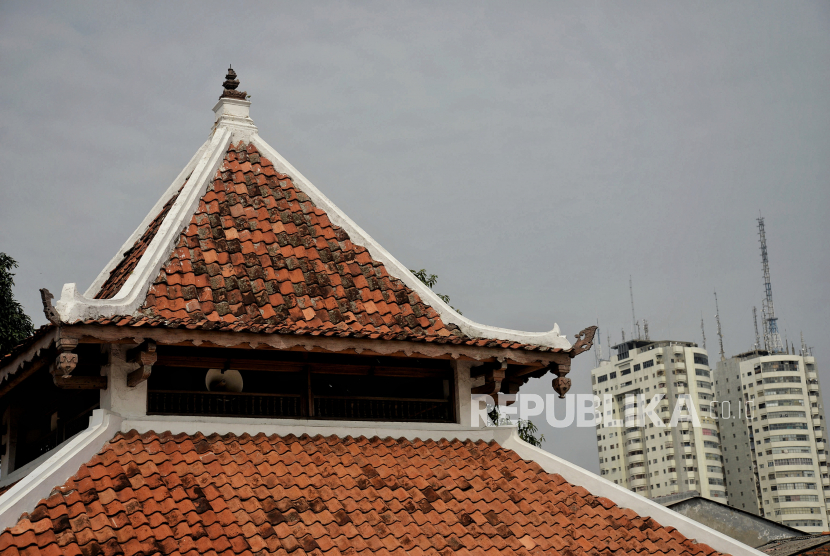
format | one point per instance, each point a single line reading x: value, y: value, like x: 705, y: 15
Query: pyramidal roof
x: 241, y: 240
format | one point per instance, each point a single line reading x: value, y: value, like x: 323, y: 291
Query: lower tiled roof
x: 257, y: 495
x: 808, y: 545
x: 25, y: 344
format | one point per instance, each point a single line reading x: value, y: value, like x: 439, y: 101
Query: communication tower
x: 772, y: 339
x: 755, y: 321
x: 720, y: 333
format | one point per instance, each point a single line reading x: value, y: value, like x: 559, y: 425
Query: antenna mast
x: 634, y: 323
x: 803, y: 345
x: 645, y: 329
x: 720, y: 333
x: 702, y: 332
x: 772, y: 338
x: 598, y: 350
x: 757, y: 336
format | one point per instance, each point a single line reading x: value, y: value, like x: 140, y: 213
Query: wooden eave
x: 92, y: 333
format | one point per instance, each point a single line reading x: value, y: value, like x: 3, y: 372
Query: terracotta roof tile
x: 181, y: 494
x: 259, y: 256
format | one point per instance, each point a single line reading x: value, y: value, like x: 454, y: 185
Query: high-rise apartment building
x: 775, y: 438
x: 647, y: 459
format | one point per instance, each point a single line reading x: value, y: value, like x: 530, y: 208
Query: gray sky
x: 533, y: 155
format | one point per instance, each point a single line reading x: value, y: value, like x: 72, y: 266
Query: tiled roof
x: 118, y: 276
x: 228, y: 495
x: 258, y: 251
x: 25, y: 344
x: 340, y: 330
x: 812, y: 545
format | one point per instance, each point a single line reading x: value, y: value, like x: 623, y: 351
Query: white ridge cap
x: 624, y: 498
x: 74, y: 306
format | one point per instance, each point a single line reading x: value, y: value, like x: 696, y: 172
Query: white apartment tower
x: 660, y: 461
x: 775, y: 438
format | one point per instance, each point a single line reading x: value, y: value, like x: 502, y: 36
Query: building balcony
x: 638, y: 482
x: 635, y: 458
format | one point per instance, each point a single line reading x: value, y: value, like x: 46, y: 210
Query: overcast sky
x: 533, y: 155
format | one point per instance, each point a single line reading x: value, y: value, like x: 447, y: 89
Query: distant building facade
x: 775, y: 438
x: 646, y: 459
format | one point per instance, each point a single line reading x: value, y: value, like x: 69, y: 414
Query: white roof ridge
x: 233, y: 124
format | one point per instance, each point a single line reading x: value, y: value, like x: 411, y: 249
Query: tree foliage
x: 525, y: 427
x: 15, y: 324
x: 430, y: 280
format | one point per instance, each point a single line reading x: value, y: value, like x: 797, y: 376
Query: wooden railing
x: 382, y: 409
x: 171, y: 402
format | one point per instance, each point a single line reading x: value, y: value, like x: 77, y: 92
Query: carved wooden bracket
x: 584, y: 341
x: 493, y: 378
x: 48, y: 310
x: 66, y: 361
x: 145, y: 355
x: 561, y: 384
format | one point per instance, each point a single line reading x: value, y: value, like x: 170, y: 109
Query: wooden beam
x: 89, y: 333
x: 241, y: 364
x: 492, y: 381
x: 81, y: 382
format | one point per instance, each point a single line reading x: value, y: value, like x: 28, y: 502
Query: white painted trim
x: 57, y: 469
x: 21, y: 472
x: 74, y: 306
x: 624, y: 498
x: 95, y: 287
x: 394, y: 267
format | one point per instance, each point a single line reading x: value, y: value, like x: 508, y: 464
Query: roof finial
x: 230, y: 84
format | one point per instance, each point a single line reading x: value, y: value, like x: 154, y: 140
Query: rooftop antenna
x: 757, y: 336
x: 645, y: 329
x: 598, y: 350
x: 702, y: 331
x: 720, y: 333
x: 623, y: 334
x: 633, y: 318
x: 803, y: 345
x: 772, y: 338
